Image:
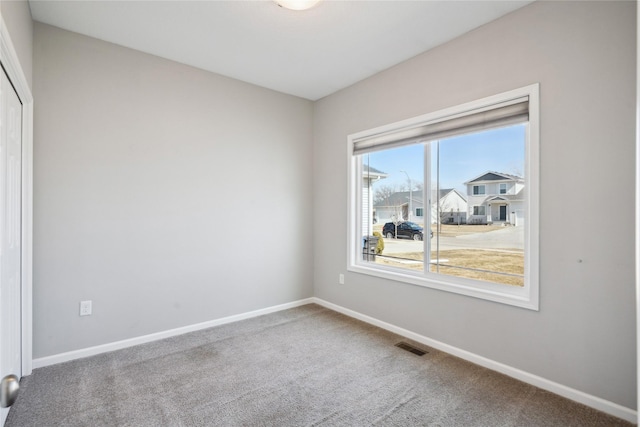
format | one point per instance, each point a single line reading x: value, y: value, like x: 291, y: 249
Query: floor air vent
x: 410, y: 348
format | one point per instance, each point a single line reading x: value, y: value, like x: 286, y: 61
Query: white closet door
x: 10, y: 235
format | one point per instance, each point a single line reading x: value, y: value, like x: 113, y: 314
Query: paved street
x: 508, y: 238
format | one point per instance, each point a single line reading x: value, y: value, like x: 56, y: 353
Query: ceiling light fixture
x: 297, y: 4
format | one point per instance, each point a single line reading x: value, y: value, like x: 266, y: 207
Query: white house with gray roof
x: 495, y: 197
x: 452, y: 207
x: 395, y: 207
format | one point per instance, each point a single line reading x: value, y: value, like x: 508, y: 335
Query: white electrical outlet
x: 341, y: 279
x: 85, y: 308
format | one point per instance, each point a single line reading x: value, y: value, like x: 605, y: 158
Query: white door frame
x: 11, y: 64
x: 637, y: 215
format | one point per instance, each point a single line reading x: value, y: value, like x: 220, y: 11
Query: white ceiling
x: 310, y: 53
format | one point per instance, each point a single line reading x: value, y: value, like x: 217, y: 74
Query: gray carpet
x: 307, y: 366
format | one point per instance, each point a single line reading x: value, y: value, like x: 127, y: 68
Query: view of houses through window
x: 461, y: 199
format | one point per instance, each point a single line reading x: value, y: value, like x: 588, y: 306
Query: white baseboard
x: 543, y: 383
x: 92, y: 351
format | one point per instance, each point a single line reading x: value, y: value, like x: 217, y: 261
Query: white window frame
x: 501, y: 186
x: 479, y: 187
x: 526, y: 296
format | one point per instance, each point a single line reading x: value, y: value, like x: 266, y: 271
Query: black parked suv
x: 406, y: 229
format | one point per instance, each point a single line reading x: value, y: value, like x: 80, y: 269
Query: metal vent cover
x: 411, y: 349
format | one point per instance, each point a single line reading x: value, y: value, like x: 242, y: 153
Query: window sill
x: 516, y: 296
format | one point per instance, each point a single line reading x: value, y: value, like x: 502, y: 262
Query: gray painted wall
x: 17, y: 16
x: 583, y: 55
x: 151, y: 188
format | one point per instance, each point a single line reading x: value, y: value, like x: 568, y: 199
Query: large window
x: 452, y: 169
x: 479, y: 210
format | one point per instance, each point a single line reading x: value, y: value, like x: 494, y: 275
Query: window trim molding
x: 524, y: 297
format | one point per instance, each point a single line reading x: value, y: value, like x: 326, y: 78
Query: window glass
x: 395, y: 197
x: 475, y: 235
x: 478, y: 210
x: 490, y: 246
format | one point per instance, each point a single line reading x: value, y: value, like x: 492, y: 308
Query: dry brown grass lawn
x: 476, y: 264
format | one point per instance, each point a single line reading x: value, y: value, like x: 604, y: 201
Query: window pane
x: 478, y: 189
x: 478, y: 227
x: 479, y: 210
x: 394, y: 193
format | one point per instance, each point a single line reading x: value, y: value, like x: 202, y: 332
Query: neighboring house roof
x: 400, y: 198
x: 496, y: 176
x: 445, y: 191
x: 373, y: 173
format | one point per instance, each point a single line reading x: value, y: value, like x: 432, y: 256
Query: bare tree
x: 383, y: 193
x: 415, y: 186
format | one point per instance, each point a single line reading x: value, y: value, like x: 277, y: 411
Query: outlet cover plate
x: 85, y: 308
